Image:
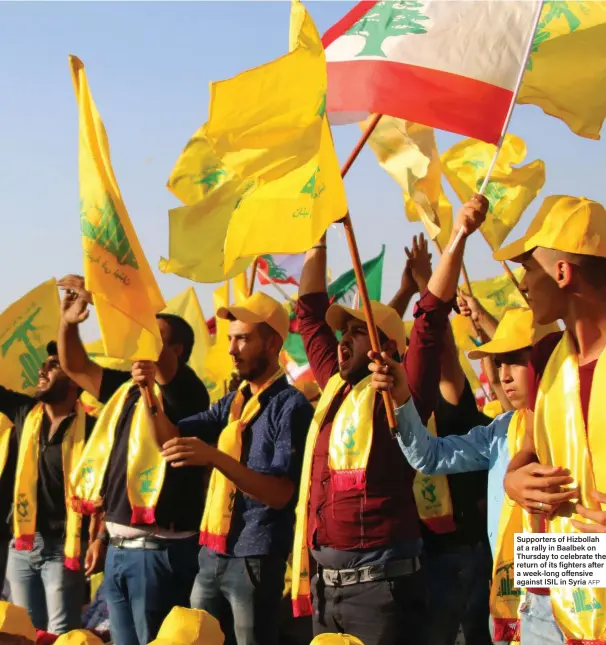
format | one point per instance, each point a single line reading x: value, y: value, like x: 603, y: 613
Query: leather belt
x: 145, y: 543
x: 370, y: 573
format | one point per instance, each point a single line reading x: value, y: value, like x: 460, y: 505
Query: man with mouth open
x: 45, y: 557
x: 357, y: 513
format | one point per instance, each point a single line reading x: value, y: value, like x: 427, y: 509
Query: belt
x: 370, y: 573
x: 145, y: 543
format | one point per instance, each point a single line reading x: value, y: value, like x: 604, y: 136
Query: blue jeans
x: 459, y: 587
x: 537, y: 624
x: 142, y: 586
x: 252, y: 586
x: 52, y: 594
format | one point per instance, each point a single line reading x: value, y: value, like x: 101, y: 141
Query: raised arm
x: 428, y: 454
x: 423, y: 358
x: 472, y: 308
x: 318, y: 338
x: 72, y: 355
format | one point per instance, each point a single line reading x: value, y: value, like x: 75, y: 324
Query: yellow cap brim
x: 496, y: 346
x: 337, y: 315
x: 239, y: 313
x: 515, y: 249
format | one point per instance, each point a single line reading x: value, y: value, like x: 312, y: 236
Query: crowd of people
x: 206, y: 519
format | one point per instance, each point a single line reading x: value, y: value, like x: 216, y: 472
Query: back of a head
x: 189, y: 627
x: 15, y: 625
x: 336, y: 639
x: 79, y: 637
x: 181, y: 333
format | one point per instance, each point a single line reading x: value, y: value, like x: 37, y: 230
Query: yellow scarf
x: 432, y: 496
x: 561, y: 439
x: 221, y: 491
x: 145, y: 465
x: 504, y: 597
x: 348, y: 452
x: 26, y: 483
x: 6, y: 429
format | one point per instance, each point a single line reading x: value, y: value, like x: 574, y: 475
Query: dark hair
x: 51, y: 348
x: 181, y: 333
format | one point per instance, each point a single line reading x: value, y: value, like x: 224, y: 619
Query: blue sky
x: 149, y: 65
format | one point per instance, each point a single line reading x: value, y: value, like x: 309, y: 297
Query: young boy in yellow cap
x: 564, y: 254
x: 482, y: 448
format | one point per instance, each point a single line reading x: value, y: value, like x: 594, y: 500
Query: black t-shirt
x: 51, y: 511
x: 181, y: 499
x: 467, y: 490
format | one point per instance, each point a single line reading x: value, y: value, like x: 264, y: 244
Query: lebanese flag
x: 283, y: 269
x: 449, y: 64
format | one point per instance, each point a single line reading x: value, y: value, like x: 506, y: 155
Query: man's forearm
x: 487, y: 324
x: 162, y: 428
x: 96, y: 527
x: 313, y: 275
x: 267, y: 489
x: 401, y: 301
x: 444, y: 280
x: 72, y: 354
x: 75, y: 361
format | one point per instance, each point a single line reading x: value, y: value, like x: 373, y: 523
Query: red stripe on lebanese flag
x: 431, y: 62
x: 418, y: 94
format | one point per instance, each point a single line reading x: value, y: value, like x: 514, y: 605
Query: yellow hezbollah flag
x: 116, y: 271
x: 509, y: 191
x: 26, y: 327
x: 268, y: 125
x: 219, y: 366
x: 408, y: 152
x: 187, y: 306
x: 566, y: 72
x: 499, y: 293
x: 210, y: 192
x: 96, y: 352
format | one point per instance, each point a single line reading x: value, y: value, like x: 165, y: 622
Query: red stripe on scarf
x: 213, y: 541
x: 344, y: 480
x: 143, y: 515
x: 24, y: 543
x: 301, y: 606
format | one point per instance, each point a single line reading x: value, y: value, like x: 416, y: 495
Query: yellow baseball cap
x: 79, y: 637
x: 336, y: 639
x: 257, y: 309
x: 569, y: 224
x: 189, y: 627
x: 516, y: 331
x: 16, y: 621
x: 386, y: 319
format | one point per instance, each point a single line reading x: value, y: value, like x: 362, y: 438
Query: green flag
x: 343, y: 291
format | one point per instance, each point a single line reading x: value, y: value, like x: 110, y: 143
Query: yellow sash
x: 432, y: 497
x: 26, y: 483
x: 349, y: 449
x: 504, y: 597
x: 222, y: 491
x: 6, y: 428
x: 561, y: 439
x: 145, y: 465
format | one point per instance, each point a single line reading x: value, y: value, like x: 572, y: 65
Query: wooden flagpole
x: 253, y: 275
x: 359, y: 271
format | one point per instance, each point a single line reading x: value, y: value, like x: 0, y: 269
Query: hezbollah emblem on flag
x: 388, y: 18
